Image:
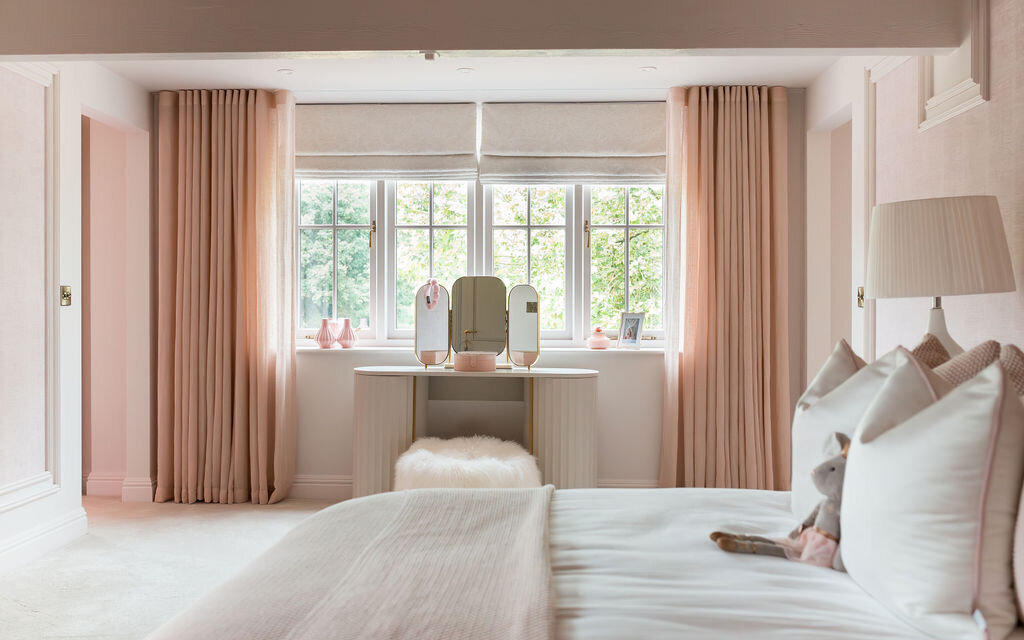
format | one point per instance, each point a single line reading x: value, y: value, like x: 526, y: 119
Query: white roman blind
x: 621, y: 142
x: 380, y: 141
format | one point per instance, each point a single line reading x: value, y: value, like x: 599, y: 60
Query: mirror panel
x: 523, y: 325
x: 432, y: 338
x: 478, y: 314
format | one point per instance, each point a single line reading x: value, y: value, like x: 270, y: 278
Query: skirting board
x: 137, y: 490
x: 324, y: 487
x: 42, y: 539
x: 102, y: 485
x: 620, y: 483
x: 317, y: 487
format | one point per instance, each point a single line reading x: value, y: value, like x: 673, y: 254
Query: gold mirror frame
x: 508, y: 327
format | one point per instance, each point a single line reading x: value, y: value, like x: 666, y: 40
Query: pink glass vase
x: 335, y: 325
x: 324, y: 337
x: 347, y: 337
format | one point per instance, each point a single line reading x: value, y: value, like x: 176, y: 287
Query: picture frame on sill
x: 631, y: 328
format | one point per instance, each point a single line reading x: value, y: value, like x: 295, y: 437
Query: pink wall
x: 978, y: 152
x: 840, y: 249
x: 105, y: 299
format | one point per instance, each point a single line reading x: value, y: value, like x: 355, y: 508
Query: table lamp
x: 938, y: 247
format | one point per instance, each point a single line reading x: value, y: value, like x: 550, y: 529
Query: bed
x: 624, y: 563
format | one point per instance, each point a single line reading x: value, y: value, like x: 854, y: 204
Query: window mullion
x: 625, y: 243
x: 334, y: 249
x: 430, y: 229
x: 529, y: 236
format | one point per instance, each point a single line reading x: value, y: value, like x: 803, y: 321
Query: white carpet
x: 139, y: 564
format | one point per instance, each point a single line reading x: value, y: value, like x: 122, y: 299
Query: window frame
x: 567, y: 336
x: 369, y: 334
x: 479, y: 252
x: 656, y: 337
x: 390, y: 188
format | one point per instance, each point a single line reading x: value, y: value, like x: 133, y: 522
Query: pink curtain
x: 226, y: 408
x: 727, y: 405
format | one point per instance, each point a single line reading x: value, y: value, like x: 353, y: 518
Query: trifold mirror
x: 431, y: 342
x: 480, y: 325
x: 523, y: 325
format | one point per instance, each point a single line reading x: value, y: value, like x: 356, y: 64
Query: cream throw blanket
x: 424, y: 563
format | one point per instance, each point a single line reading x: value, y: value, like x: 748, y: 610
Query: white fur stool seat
x: 476, y: 462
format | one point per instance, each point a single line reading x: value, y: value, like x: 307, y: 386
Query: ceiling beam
x: 96, y: 27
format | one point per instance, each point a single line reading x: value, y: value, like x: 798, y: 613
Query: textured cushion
x: 476, y: 462
x: 930, y: 351
x: 930, y: 503
x: 838, y: 410
x: 969, y: 363
x: 1013, y: 364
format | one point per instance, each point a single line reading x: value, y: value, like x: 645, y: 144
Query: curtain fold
x: 727, y: 405
x: 226, y: 407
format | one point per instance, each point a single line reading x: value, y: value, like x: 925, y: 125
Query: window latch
x: 373, y: 231
x: 586, y: 231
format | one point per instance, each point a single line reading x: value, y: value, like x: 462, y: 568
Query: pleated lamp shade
x: 938, y: 247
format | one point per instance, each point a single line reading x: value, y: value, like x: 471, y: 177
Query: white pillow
x: 839, y: 409
x: 929, y: 505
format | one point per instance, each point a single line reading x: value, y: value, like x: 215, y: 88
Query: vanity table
x: 559, y: 420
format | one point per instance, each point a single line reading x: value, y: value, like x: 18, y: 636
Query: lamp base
x: 937, y: 327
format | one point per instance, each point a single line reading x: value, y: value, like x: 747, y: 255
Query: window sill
x: 311, y: 348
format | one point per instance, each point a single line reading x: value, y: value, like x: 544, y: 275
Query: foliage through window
x: 431, y: 240
x: 334, y: 251
x: 528, y: 244
x: 627, y: 248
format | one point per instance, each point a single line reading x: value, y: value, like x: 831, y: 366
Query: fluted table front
x: 561, y: 412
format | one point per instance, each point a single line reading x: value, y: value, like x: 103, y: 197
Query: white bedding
x: 637, y: 563
x: 626, y: 563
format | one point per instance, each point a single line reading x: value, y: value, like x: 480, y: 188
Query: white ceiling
x: 408, y: 77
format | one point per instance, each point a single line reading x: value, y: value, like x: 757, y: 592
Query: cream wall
x: 22, y: 278
x: 54, y: 515
x: 978, y: 152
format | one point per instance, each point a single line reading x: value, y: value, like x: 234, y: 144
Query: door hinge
x: 860, y: 297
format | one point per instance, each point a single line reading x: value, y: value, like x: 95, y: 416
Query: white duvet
x: 626, y: 563
x: 637, y: 563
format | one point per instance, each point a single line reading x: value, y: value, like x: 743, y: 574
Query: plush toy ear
x: 836, y: 444
x: 844, y: 443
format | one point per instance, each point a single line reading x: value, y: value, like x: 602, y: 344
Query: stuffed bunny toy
x: 816, y: 540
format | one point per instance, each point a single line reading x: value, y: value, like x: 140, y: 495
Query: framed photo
x: 630, y: 330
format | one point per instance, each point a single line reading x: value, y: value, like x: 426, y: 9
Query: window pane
x: 547, y: 262
x: 509, y: 252
x: 450, y: 203
x: 645, y: 275
x: 413, y: 203
x: 316, y: 202
x: 315, y: 259
x: 450, y: 255
x: 353, y: 275
x: 608, y: 205
x: 509, y: 205
x: 547, y: 205
x: 645, y: 205
x: 353, y: 203
x: 607, y: 277
x: 412, y: 262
